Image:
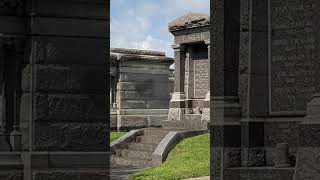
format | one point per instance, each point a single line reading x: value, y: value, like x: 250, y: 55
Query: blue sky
x: 143, y: 24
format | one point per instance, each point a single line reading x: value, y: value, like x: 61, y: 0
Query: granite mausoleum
x: 263, y: 80
x: 189, y: 105
x: 54, y: 108
x: 139, y: 88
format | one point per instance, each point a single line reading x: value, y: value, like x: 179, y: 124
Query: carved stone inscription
x: 194, y: 37
x: 201, y: 78
x: 294, y: 56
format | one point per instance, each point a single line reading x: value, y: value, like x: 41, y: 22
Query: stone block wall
x: 142, y: 92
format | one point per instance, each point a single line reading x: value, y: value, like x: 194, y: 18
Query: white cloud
x: 135, y: 28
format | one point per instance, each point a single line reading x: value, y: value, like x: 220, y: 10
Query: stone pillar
x: 225, y: 109
x: 177, y: 103
x: 65, y: 102
x: 4, y: 144
x: 206, y: 102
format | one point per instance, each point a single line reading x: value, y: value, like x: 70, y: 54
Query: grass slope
x: 116, y: 135
x: 190, y: 158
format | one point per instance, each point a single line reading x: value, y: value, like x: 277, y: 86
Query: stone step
x: 130, y: 161
x: 149, y: 139
x: 155, y: 132
x: 142, y: 147
x: 135, y: 154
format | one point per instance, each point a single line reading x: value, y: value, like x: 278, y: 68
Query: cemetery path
x: 122, y: 172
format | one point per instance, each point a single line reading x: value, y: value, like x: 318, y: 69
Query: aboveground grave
x: 139, y: 88
x: 264, y: 102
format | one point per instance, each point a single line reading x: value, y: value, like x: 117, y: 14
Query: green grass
x: 190, y: 158
x: 116, y: 135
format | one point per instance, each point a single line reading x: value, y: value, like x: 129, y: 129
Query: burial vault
x: 189, y: 105
x: 139, y: 89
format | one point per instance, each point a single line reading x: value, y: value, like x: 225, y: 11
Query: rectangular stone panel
x: 142, y: 86
x: 201, y: 78
x: 64, y: 108
x: 68, y: 50
x: 192, y: 35
x: 294, y: 63
x: 65, y: 78
x: 92, y: 28
x: 143, y: 77
x: 62, y: 136
x: 72, y: 9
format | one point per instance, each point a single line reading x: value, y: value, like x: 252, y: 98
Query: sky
x: 143, y: 24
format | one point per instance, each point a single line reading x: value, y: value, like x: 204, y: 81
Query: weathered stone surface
x: 141, y: 86
x: 64, y: 136
x: 62, y: 78
x: 137, y: 51
x: 201, y: 78
x: 156, y: 120
x: 46, y: 26
x: 294, y: 46
x: 308, y: 163
x: 68, y: 50
x: 65, y: 107
x: 191, y: 35
x: 71, y: 9
x: 70, y: 175
x: 130, y: 121
x: 259, y: 173
x: 143, y: 77
x: 190, y: 20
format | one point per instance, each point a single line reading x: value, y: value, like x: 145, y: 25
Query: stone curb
x: 130, y: 136
x: 200, y: 178
x: 169, y: 142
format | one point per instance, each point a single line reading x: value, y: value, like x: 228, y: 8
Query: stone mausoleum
x: 139, y: 88
x: 189, y: 104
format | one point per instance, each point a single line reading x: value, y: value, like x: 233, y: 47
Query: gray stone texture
x: 273, y: 73
x: 191, y: 75
x: 142, y: 87
x: 62, y: 104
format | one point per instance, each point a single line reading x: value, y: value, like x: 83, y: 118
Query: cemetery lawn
x: 116, y: 135
x: 189, y: 159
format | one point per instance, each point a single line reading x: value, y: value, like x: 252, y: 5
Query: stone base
x: 259, y: 173
x: 54, y: 165
x: 189, y: 122
x: 128, y: 122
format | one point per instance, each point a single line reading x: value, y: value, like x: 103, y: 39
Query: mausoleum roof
x: 121, y: 54
x: 190, y: 20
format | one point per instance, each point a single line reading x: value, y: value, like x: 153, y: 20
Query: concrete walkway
x: 200, y: 178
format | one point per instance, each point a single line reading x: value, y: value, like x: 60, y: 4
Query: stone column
x: 225, y: 109
x: 177, y: 103
x: 65, y: 102
x: 206, y: 102
x: 4, y: 145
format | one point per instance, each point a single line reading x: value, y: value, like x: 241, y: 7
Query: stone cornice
x: 190, y: 20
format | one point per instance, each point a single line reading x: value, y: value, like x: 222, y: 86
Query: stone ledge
x: 137, y: 51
